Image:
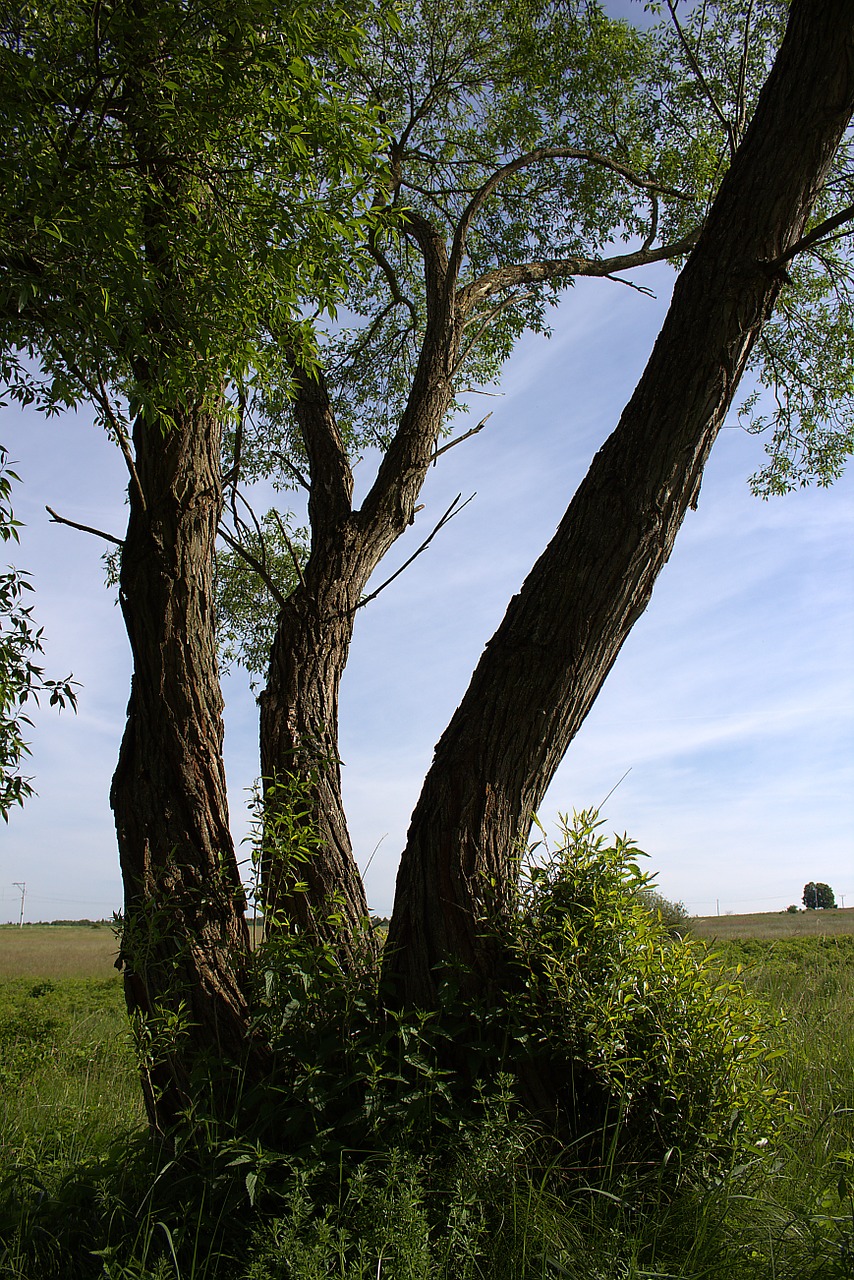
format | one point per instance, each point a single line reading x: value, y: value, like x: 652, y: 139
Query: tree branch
x: 398, y: 296
x: 535, y: 157
x: 821, y: 232
x: 467, y: 435
x: 293, y: 468
x: 290, y: 546
x: 255, y: 564
x: 84, y: 528
x: 388, y: 507
x: 704, y: 84
x: 453, y: 510
x: 514, y: 274
x: 331, y: 490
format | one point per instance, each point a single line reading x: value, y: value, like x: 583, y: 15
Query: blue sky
x: 732, y: 703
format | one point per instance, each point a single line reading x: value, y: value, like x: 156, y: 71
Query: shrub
x: 630, y: 1026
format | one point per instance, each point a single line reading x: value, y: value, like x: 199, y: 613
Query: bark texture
x: 541, y: 671
x: 322, y: 894
x: 185, y: 943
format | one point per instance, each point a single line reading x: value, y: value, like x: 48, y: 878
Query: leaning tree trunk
x: 546, y: 663
x: 184, y: 944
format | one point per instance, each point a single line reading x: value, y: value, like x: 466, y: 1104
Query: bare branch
x: 822, y: 232
x: 704, y: 84
x: 653, y: 226
x: 388, y: 271
x: 453, y: 510
x: 294, y: 470
x: 99, y: 394
x: 467, y: 435
x: 84, y: 528
x: 630, y: 284
x: 487, y: 320
x: 290, y: 546
x: 514, y: 274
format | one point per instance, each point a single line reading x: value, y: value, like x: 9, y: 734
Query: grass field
x: 89, y: 951
x: 775, y: 924
x: 57, y: 951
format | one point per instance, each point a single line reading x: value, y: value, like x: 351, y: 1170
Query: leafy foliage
x: 249, y: 594
x: 629, y: 1021
x: 22, y: 680
x: 526, y: 145
x: 596, y: 1004
x: 180, y: 177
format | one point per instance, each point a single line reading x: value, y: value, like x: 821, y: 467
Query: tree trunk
x: 544, y: 666
x: 309, y: 876
x: 185, y: 944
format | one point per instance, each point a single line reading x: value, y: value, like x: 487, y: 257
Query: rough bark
x: 185, y: 944
x: 309, y: 876
x: 322, y: 894
x: 544, y: 666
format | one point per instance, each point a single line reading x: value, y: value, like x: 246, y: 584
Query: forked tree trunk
x: 185, y: 944
x: 309, y: 876
x: 544, y: 666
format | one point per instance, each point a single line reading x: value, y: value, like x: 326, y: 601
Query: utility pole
x: 22, y: 885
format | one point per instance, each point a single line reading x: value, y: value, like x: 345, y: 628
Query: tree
x: 174, y: 175
x: 818, y: 896
x: 21, y: 679
x: 522, y: 143
x: 566, y: 141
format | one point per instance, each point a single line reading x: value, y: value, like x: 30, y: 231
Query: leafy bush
x: 602, y: 1016
x: 631, y: 1028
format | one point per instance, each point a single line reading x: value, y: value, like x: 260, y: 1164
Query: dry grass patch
x: 57, y: 951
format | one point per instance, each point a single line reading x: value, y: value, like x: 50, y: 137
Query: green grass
x: 84, y: 1195
x: 67, y: 1073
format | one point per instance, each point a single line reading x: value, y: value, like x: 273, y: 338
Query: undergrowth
x: 688, y: 1133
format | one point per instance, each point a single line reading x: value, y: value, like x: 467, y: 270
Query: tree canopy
x: 526, y: 148
x: 219, y: 121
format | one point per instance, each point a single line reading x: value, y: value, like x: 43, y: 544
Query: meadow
x: 83, y: 1193
x: 775, y: 925
x: 57, y: 951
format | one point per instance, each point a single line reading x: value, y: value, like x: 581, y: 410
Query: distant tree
x: 818, y: 896
x: 674, y: 916
x: 792, y: 910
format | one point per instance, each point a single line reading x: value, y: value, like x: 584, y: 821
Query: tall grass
x: 85, y: 1195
